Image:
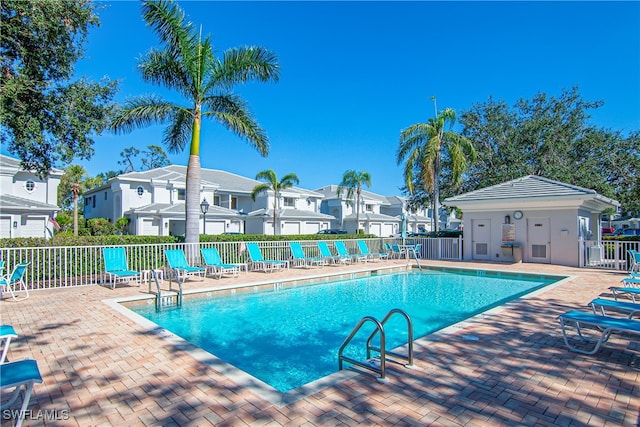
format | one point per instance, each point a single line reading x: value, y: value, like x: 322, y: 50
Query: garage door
x: 291, y: 228
x: 375, y: 229
x: 5, y: 227
x: 312, y: 227
x: 151, y: 227
x: 32, y: 227
x: 387, y: 230
x: 215, y: 227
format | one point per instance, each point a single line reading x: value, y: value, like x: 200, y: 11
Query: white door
x: 5, y: 227
x: 215, y: 227
x: 538, y: 240
x: 375, y: 229
x: 481, y: 238
x: 387, y: 230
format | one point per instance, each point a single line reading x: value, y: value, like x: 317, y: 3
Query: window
x: 234, y: 203
x: 140, y: 191
x: 30, y: 186
x: 182, y: 194
x: 289, y: 202
x: 216, y: 200
x: 369, y: 208
x: 105, y: 195
x: 93, y: 202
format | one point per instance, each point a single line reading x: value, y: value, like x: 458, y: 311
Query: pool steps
x: 380, y: 367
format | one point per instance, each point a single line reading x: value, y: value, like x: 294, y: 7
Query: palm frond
x: 168, y: 21
x: 162, y: 68
x: 243, y: 64
x: 142, y: 111
x: 178, y: 133
x: 259, y: 189
x: 232, y: 113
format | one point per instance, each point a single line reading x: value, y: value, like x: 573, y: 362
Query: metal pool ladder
x: 167, y: 299
x: 370, y: 363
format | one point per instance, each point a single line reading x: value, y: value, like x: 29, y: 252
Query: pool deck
x: 507, y: 368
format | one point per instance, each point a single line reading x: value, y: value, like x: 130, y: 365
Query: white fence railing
x: 608, y: 254
x: 70, y: 266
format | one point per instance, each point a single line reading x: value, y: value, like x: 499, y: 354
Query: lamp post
x: 204, y: 208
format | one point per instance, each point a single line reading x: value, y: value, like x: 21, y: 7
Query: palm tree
x: 353, y: 181
x: 72, y: 184
x: 422, y: 145
x: 188, y: 65
x: 272, y: 183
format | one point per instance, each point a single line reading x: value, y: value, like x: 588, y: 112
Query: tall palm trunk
x: 275, y: 213
x: 192, y: 205
x: 436, y: 193
x: 75, y: 188
x: 358, y: 193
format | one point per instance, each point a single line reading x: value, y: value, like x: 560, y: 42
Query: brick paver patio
x: 102, y: 368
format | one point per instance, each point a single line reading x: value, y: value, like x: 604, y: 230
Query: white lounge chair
x: 603, y: 325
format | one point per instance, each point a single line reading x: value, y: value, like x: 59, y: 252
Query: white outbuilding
x: 530, y: 219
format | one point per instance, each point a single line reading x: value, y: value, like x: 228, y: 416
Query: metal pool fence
x: 70, y: 266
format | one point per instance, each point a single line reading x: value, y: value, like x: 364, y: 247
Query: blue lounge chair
x: 633, y: 280
x: 7, y: 333
x: 11, y: 282
x: 211, y: 259
x: 364, y: 250
x: 396, y: 251
x: 630, y: 309
x: 299, y: 257
x: 18, y: 376
x: 179, y: 266
x: 326, y: 254
x: 115, y: 265
x: 259, y: 263
x: 343, y: 252
x: 603, y: 325
x: 630, y: 291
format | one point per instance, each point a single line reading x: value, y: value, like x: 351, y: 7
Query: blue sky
x: 354, y: 74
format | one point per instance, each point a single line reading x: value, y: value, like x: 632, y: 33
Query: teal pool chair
x: 326, y: 254
x: 116, y: 269
x: 259, y: 263
x: 364, y: 250
x: 7, y: 333
x: 343, y: 252
x: 299, y: 257
x: 601, y: 327
x: 19, y: 376
x: 12, y: 282
x: 212, y: 261
x: 179, y: 266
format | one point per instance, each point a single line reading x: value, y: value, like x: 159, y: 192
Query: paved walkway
x: 101, y: 368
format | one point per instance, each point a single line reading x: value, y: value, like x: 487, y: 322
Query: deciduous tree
x: 45, y: 117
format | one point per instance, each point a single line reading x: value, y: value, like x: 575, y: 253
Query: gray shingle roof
x: 7, y: 162
x: 369, y: 216
x: 222, y: 180
x: 331, y: 192
x: 291, y: 214
x: 10, y: 202
x: 179, y: 209
x: 528, y: 187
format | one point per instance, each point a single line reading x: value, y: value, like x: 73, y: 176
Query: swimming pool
x: 289, y: 337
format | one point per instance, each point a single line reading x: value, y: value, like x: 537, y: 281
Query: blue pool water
x: 290, y: 337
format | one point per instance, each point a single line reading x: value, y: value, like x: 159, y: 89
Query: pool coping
x: 280, y: 399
